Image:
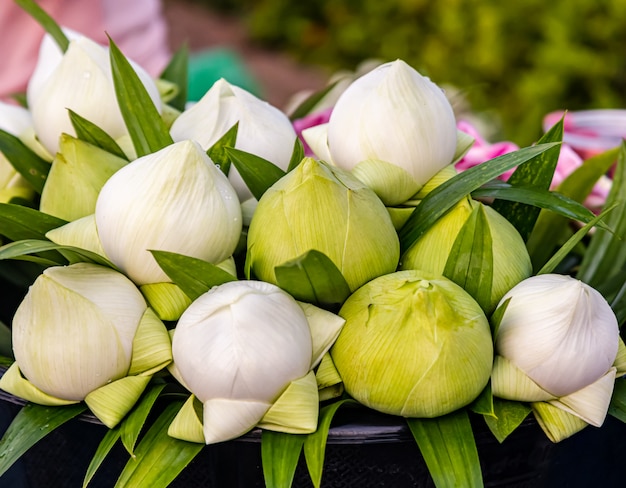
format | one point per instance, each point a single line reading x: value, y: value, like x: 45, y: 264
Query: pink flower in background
x: 311, y: 120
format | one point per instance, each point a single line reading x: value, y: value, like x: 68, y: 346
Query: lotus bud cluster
x: 245, y: 350
x: 392, y: 128
x: 557, y: 343
x: 414, y: 344
x: 262, y: 130
x: 321, y: 207
x: 84, y: 332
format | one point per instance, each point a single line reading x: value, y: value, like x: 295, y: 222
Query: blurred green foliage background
x: 514, y: 61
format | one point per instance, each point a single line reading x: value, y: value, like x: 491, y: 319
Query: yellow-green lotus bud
x: 511, y: 262
x: 83, y: 330
x: 173, y: 200
x: 393, y: 128
x: 414, y: 344
x: 321, y: 207
x: 557, y: 341
x: 245, y: 349
x: 263, y: 130
x: 81, y: 80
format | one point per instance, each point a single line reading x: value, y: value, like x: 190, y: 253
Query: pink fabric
x: 136, y: 26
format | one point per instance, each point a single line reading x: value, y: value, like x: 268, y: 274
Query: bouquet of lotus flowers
x: 189, y: 273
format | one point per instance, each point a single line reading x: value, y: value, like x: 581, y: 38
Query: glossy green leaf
x: 606, y: 254
x: 445, y: 196
x: 30, y: 425
x: 552, y: 229
x: 470, y: 263
x: 158, y: 458
x: 448, y: 447
x: 508, y: 416
x: 136, y: 419
x: 615, y: 292
x: 537, y: 175
x: 315, y: 443
x: 18, y: 222
x: 15, y: 250
x: 47, y: 22
x: 143, y: 122
x: 177, y: 71
x: 280, y: 453
x: 217, y: 152
x: 314, y: 278
x: 106, y: 444
x: 311, y: 101
x: 192, y: 275
x: 297, y: 155
x: 617, y: 407
x: 258, y: 173
x: 89, y: 132
x: 32, y: 168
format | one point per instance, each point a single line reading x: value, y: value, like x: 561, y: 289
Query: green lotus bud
x: 511, y: 262
x: 321, y: 207
x: 414, y: 344
x: 84, y: 332
x: 245, y: 350
x: 557, y: 342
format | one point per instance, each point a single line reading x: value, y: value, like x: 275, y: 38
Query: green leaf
x: 567, y: 248
x: 315, y: 443
x: 606, y: 254
x: 18, y: 249
x: 449, y: 449
x: 617, y: 407
x: 551, y: 229
x: 311, y: 101
x: 314, y: 278
x: 47, y: 22
x: 536, y: 175
x: 91, y: 133
x: 483, y: 405
x: 143, y: 122
x: 258, y: 173
x: 158, y: 458
x: 470, y: 263
x: 32, y: 168
x: 30, y: 425
x: 446, y: 195
x: 496, y: 317
x: 134, y: 422
x: 192, y: 275
x: 217, y: 152
x: 280, y: 453
x: 17, y: 222
x: 508, y: 416
x: 297, y: 155
x: 177, y: 71
x: 105, y: 446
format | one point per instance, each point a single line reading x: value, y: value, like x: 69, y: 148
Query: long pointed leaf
x: 143, y: 122
x: 47, y: 22
x: 18, y: 222
x: 449, y: 449
x: 297, y: 155
x: 17, y: 249
x: 177, y: 71
x: 217, y: 152
x: 280, y: 453
x: 104, y: 448
x: 258, y: 173
x: 134, y: 422
x: 91, y: 133
x: 32, y: 168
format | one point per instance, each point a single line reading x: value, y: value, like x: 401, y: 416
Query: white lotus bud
x: 173, y: 200
x: 80, y: 80
x: 241, y: 346
x: 394, y: 129
x: 263, y: 129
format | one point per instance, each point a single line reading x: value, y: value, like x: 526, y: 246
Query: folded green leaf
x: 31, y: 424
x: 313, y: 278
x: 18, y: 249
x: 194, y: 276
x: 47, y: 22
x: 18, y: 222
x: 32, y: 168
x: 217, y: 152
x: 91, y: 133
x: 144, y: 123
x: 177, y: 71
x: 280, y: 453
x: 449, y: 449
x: 258, y: 173
x: 508, y: 416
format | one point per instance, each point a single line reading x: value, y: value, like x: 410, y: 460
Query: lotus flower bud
x: 263, y: 129
x: 393, y: 128
x: 557, y: 342
x: 511, y: 261
x: 173, y: 200
x: 245, y: 349
x: 321, y: 207
x: 414, y: 344
x: 80, y: 80
x: 78, y: 333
